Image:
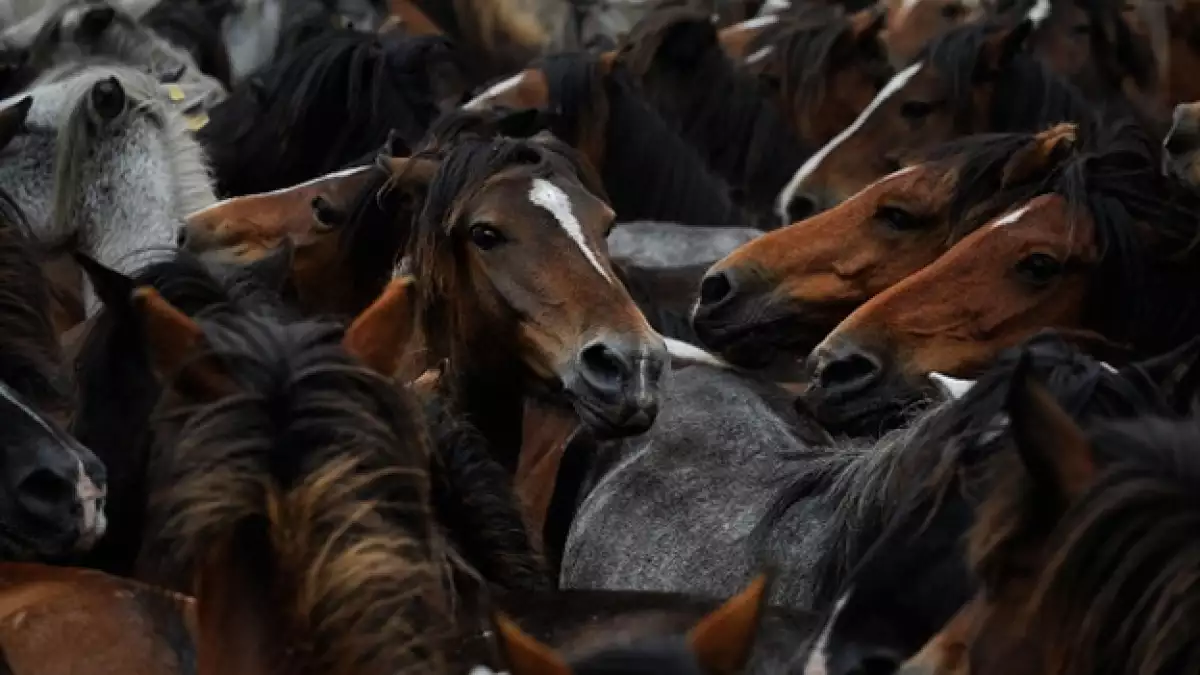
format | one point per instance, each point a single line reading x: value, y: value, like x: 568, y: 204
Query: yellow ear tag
x: 196, y: 121
x: 175, y: 93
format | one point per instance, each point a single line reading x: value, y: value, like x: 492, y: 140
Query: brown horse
x: 1078, y: 551
x: 1084, y: 258
x: 509, y: 248
x: 496, y: 37
x: 788, y: 289
x: 974, y: 79
x: 912, y: 24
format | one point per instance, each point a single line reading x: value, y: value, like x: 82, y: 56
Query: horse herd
x: 548, y: 337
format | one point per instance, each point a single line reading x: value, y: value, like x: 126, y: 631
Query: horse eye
x: 916, y: 110
x: 899, y: 219
x: 486, y: 237
x: 1039, y: 269
x: 327, y: 215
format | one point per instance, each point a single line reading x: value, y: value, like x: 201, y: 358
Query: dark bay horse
x: 53, y: 488
x: 977, y: 78
x: 1077, y: 550
x: 1085, y: 257
x: 592, y: 103
x: 786, y: 290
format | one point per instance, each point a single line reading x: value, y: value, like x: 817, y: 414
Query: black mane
x: 724, y: 114
x: 649, y: 172
x: 1026, y: 95
x: 332, y: 100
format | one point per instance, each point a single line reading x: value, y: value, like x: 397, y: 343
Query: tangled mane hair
x: 890, y: 490
x: 333, y: 99
x: 1146, y: 231
x: 501, y: 33
x: 1026, y: 95
x: 723, y: 113
x: 1116, y: 588
x: 807, y: 43
x: 648, y: 170
x: 320, y: 465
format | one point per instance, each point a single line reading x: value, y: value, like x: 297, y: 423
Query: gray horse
x: 652, y: 244
x: 677, y: 510
x: 103, y: 164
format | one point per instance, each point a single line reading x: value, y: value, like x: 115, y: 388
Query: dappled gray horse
x: 654, y: 244
x: 103, y: 164
x: 677, y: 510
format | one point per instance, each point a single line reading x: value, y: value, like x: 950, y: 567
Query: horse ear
x: 113, y: 288
x: 525, y: 655
x: 1176, y: 373
x: 12, y: 120
x: 91, y: 22
x: 1047, y: 150
x: 412, y: 174
x: 1053, y: 449
x: 865, y: 28
x: 174, y: 341
x: 275, y: 268
x: 722, y: 640
x: 379, y: 335
x: 1000, y: 48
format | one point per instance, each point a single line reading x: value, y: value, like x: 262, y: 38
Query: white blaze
x: 548, y: 196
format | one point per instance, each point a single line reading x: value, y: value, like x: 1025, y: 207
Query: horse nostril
x: 848, y: 373
x: 801, y: 207
x: 1178, y: 144
x: 181, y: 238
x: 601, y: 364
x: 715, y: 288
x: 44, y: 493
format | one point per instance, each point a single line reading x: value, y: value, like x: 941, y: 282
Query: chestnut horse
x: 976, y: 78
x: 1105, y: 254
x: 1078, y: 551
x: 787, y: 289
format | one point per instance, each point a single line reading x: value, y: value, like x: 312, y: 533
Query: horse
x: 976, y: 78
x: 1181, y: 143
x: 187, y: 25
x: 474, y: 255
x: 54, y: 487
x: 786, y: 290
x: 592, y: 103
x: 95, y: 30
x: 912, y: 25
x: 902, y: 508
x: 326, y: 105
x: 1080, y: 258
x: 1076, y: 549
x: 496, y: 37
x: 675, y: 58
x: 103, y: 164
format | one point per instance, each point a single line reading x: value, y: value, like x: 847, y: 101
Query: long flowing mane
x: 329, y: 102
x: 1026, y: 95
x: 1118, y: 586
x: 649, y: 172
x: 328, y: 461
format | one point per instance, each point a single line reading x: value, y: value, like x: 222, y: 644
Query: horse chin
x: 888, y: 405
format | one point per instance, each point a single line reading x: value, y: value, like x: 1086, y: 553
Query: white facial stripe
x: 810, y: 167
x: 1039, y: 12
x: 774, y: 7
x: 1010, y: 218
x: 353, y: 171
x: 759, y: 22
x: 1107, y: 366
x: 10, y: 396
x: 493, y: 91
x: 906, y: 6
x: 818, y: 659
x: 759, y: 55
x: 548, y: 196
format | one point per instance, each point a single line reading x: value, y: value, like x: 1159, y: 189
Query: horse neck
x: 652, y: 174
x: 483, y: 380
x: 739, y: 132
